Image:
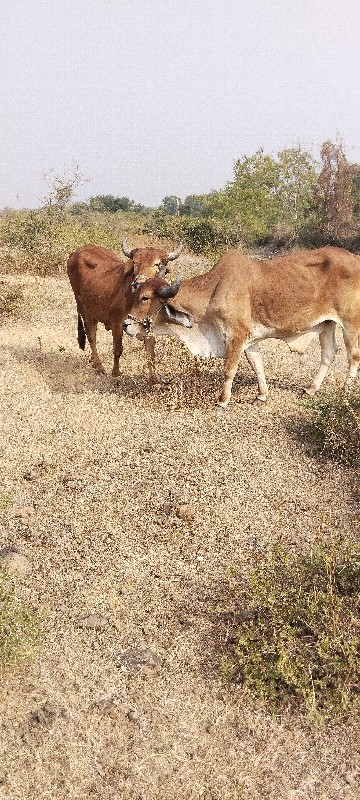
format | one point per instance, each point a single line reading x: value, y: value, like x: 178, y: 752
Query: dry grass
x: 94, y: 475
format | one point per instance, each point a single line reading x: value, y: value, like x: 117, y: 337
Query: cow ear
x: 179, y: 317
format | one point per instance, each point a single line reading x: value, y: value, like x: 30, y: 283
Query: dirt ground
x: 130, y: 505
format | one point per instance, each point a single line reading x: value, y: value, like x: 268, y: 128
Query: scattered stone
x: 186, y: 512
x: 167, y: 507
x: 133, y: 715
x: 15, y: 562
x: 94, y: 621
x: 209, y: 728
x: 137, y: 657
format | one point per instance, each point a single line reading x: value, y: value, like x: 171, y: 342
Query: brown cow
x: 103, y: 286
x: 239, y: 302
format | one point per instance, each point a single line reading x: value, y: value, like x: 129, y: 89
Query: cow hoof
x: 262, y: 397
x: 221, y: 404
x: 310, y: 391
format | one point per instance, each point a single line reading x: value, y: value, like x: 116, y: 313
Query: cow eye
x: 144, y: 297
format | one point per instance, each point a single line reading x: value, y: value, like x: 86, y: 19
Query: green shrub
x: 294, y: 628
x: 19, y: 626
x: 332, y: 425
x: 202, y: 235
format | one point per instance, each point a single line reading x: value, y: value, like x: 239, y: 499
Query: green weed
x: 294, y: 628
x: 19, y: 626
x: 332, y: 425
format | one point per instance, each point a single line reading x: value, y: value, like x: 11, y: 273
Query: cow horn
x: 170, y: 289
x: 175, y: 253
x: 125, y: 248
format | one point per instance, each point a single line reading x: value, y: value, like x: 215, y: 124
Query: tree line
x: 288, y: 200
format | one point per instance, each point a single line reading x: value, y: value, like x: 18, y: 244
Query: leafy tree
x: 268, y: 194
x: 193, y: 206
x: 109, y: 203
x: 297, y: 180
x: 250, y: 200
x: 171, y: 204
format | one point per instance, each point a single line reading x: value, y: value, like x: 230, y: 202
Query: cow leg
x: 254, y: 358
x: 328, y: 351
x: 90, y: 330
x: 352, y: 344
x: 117, y: 334
x: 232, y: 359
x: 149, y: 344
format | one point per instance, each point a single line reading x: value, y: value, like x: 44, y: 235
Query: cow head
x: 154, y: 305
x: 148, y: 261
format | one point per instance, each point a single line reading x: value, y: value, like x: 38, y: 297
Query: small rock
x: 186, y: 512
x: 167, y: 507
x: 133, y: 715
x: 138, y: 657
x: 209, y: 728
x: 16, y: 563
x: 94, y: 621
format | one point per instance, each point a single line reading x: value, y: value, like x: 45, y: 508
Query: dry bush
x: 293, y: 635
x: 332, y: 425
x: 41, y: 241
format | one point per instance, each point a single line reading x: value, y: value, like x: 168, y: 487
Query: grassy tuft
x: 19, y: 626
x: 333, y: 425
x: 293, y: 635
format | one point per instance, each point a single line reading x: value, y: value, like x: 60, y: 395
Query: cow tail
x: 81, y: 333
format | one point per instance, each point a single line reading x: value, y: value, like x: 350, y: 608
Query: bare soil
x: 131, y: 505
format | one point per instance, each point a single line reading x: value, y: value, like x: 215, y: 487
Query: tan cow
x: 103, y: 286
x: 239, y: 302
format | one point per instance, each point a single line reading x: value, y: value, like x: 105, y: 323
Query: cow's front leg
x: 91, y: 330
x: 254, y: 358
x: 149, y: 344
x: 117, y: 334
x: 232, y: 359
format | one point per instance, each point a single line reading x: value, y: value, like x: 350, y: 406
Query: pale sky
x: 158, y: 97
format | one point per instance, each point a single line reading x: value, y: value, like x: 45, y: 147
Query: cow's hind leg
x: 328, y: 351
x: 91, y: 330
x: 352, y: 344
x: 254, y: 358
x: 117, y: 334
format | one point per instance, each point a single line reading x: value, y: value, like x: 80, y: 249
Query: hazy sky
x: 157, y: 97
